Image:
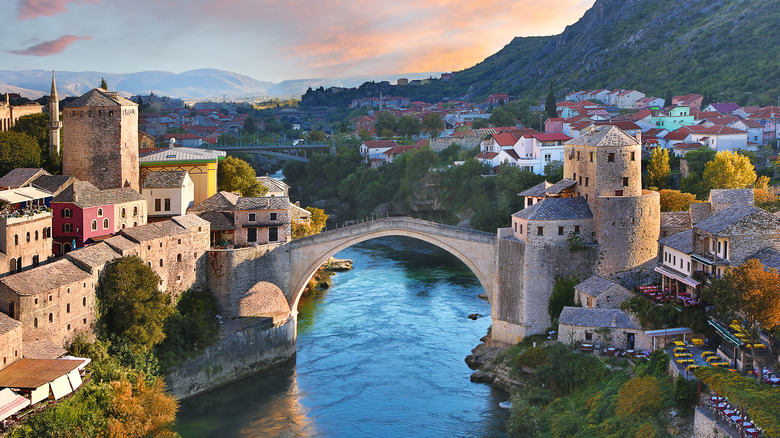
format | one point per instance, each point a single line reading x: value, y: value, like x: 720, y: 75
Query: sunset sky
x: 272, y: 40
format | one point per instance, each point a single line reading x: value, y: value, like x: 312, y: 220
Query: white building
x: 168, y: 193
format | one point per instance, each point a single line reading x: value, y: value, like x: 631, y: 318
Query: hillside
x: 722, y: 46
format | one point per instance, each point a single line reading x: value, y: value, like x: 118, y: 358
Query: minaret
x: 54, y: 120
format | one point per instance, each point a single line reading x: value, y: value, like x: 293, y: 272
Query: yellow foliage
x: 729, y: 170
x: 675, y: 200
x: 646, y: 430
x: 639, y: 397
x: 762, y: 182
x: 763, y: 197
x: 141, y: 409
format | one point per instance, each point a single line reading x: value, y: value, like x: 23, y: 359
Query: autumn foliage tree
x: 640, y: 397
x: 729, y: 170
x: 658, y: 168
x: 314, y: 226
x: 141, y: 409
x: 675, y: 200
x: 750, y: 293
x: 236, y: 175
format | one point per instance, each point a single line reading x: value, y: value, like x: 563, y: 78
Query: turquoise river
x: 380, y: 354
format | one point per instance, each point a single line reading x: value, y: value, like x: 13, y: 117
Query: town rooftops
x: 585, y: 317
x: 153, y: 231
x: 190, y: 221
x: 719, y: 222
x: 164, y: 179
x: 93, y: 256
x: 218, y: 220
x: 726, y: 107
x: 769, y: 257
x: 21, y: 177
x: 45, y: 278
x: 380, y: 144
x: 731, y: 196
x: 221, y: 201
x: 33, y: 373
x: 606, y: 136
x: 699, y: 211
x: 682, y: 242
x: 273, y: 184
x: 544, y: 189
x: 537, y: 191
x: 263, y: 203
x: 676, y: 219
x: 23, y: 194
x: 100, y: 97
x: 54, y: 184
x: 556, y: 209
x: 8, y: 324
x: 178, y: 154
x: 85, y: 195
x: 121, y: 244
x: 596, y: 285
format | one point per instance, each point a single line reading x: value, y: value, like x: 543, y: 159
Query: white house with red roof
x: 754, y: 129
x: 717, y: 138
x: 391, y: 153
x: 690, y: 100
x: 375, y: 149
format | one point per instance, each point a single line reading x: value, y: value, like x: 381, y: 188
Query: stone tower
x: 606, y: 165
x: 100, y: 140
x: 54, y: 120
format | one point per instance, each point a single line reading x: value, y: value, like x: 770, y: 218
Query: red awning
x: 11, y: 403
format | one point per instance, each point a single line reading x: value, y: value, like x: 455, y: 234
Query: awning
x: 11, y: 403
x: 74, y: 378
x: 669, y: 332
x: 39, y: 394
x: 725, y: 333
x: 60, y: 387
x: 681, y: 278
x: 23, y: 194
x: 702, y: 260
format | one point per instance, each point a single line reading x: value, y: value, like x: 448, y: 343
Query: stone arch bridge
x: 285, y: 270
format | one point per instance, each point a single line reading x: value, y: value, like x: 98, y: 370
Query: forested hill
x: 655, y: 46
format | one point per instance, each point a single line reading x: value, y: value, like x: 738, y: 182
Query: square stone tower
x: 100, y: 140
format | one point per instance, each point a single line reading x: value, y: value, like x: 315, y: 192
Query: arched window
x: 35, y: 322
x: 16, y: 239
x: 94, y: 225
x: 135, y: 224
x: 36, y: 234
x: 100, y: 212
x: 161, y: 263
x: 149, y: 264
x: 178, y: 258
x: 135, y: 211
x: 66, y: 212
x: 124, y: 213
x: 28, y: 236
x: 12, y: 266
x: 84, y: 301
x: 105, y: 224
x: 51, y: 317
x: 123, y: 226
x: 67, y: 308
x: 67, y: 228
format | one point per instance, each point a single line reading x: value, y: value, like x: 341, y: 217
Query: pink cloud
x: 48, y: 48
x: 36, y: 8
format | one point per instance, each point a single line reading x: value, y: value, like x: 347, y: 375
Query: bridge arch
x: 475, y: 249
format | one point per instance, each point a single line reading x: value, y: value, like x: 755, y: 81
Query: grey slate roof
x: 120, y: 243
x: 263, y: 203
x: 85, y: 195
x: 560, y: 186
x: 43, y: 350
x: 595, y: 285
x: 93, y: 256
x: 54, y: 184
x: 218, y: 220
x: 556, y: 209
x: 222, y: 201
x: 769, y: 257
x: 189, y: 221
x: 584, y: 317
x: 731, y: 196
x: 153, y: 231
x: 21, y: 177
x: 676, y: 219
x: 45, y: 278
x: 100, y: 97
x: 608, y: 135
x: 682, y: 242
x: 181, y: 154
x: 536, y: 191
x: 718, y: 222
x: 7, y: 323
x: 164, y: 179
x: 699, y: 211
x: 273, y: 184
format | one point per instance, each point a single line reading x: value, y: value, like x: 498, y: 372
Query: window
x: 540, y: 231
x: 274, y: 216
x: 84, y: 302
x: 580, y: 180
x: 12, y: 266
x: 273, y: 234
x: 560, y: 231
x: 36, y: 234
x: 94, y: 225
x: 161, y: 263
x: 587, y: 178
x: 66, y: 212
x: 588, y: 336
x: 51, y: 317
x: 578, y: 155
x: 158, y: 204
x: 625, y: 181
x: 11, y: 310
x: 16, y: 239
x: 135, y: 211
x: 251, y: 235
x: 611, y: 157
x: 167, y: 204
x: 123, y: 226
x: 36, y: 260
x: 105, y: 223
x: 590, y: 156
x: 252, y: 217
x: 67, y: 228
x: 123, y: 212
x: 618, y: 193
x: 178, y: 241
x: 574, y: 177
x: 51, y: 298
x: 178, y: 258
x: 576, y: 229
x: 28, y: 236
x: 100, y: 212
x: 633, y: 156
x: 521, y: 228
x: 35, y: 322
x: 67, y: 308
x: 515, y: 226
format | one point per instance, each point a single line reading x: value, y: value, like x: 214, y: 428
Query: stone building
x: 9, y: 114
x: 598, y: 292
x: 100, y: 140
x: 595, y: 221
x: 25, y: 229
x: 53, y: 302
x: 603, y: 327
x: 10, y: 340
x: 276, y: 187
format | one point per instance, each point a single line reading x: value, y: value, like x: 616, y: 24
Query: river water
x: 380, y: 354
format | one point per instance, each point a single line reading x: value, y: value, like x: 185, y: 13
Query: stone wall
x: 24, y: 238
x: 466, y: 143
x: 10, y: 340
x: 615, y: 337
x: 254, y: 348
x: 627, y: 231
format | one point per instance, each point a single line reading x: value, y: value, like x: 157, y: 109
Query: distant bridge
x: 279, y: 150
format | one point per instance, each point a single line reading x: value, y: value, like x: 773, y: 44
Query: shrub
x: 640, y: 397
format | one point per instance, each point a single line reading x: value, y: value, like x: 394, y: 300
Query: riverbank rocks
x: 338, y: 265
x: 474, y: 316
x: 483, y: 377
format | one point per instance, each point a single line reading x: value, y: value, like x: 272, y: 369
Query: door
x: 630, y: 341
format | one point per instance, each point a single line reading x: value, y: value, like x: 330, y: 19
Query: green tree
x: 640, y: 397
x: 317, y: 136
x: 37, y: 127
x: 553, y: 170
x: 433, y: 123
x: 18, y: 150
x: 501, y: 117
x: 236, y: 175
x: 658, y: 168
x: 562, y: 296
x: 385, y: 121
x: 668, y: 98
x: 130, y: 305
x: 699, y: 158
x: 750, y: 293
x: 409, y: 126
x: 729, y: 170
x: 550, y: 106
x: 250, y: 125
x: 364, y: 134
x: 103, y: 84
x: 479, y: 123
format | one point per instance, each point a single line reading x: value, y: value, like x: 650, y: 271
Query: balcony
x: 10, y: 216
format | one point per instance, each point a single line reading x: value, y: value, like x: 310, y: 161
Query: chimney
x: 639, y: 137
